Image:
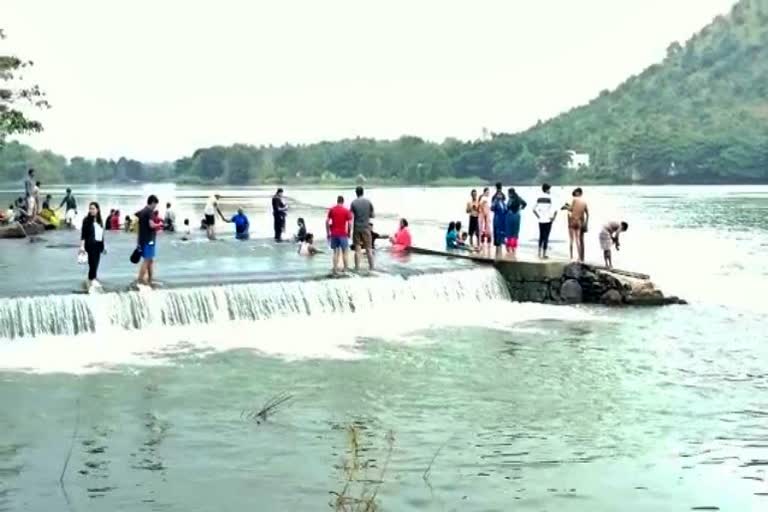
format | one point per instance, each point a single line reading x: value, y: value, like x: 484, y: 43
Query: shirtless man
x: 485, y: 219
x: 473, y: 209
x: 578, y: 219
x: 609, y: 236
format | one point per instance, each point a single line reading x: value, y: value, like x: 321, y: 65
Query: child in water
x: 186, y: 231
x: 307, y: 247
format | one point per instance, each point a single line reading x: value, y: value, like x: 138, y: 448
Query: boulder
x: 571, y: 292
x: 574, y: 271
x: 612, y: 298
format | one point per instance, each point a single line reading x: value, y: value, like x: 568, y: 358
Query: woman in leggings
x: 92, y: 242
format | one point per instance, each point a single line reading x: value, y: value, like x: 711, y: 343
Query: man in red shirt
x: 338, y: 230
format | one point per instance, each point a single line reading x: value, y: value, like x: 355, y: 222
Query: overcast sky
x: 156, y: 79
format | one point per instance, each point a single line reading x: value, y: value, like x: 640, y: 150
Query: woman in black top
x: 92, y: 241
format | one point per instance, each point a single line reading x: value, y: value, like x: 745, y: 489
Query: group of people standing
x: 343, y: 224
x: 497, y: 218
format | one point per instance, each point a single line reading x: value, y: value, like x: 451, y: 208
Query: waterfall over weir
x: 70, y: 315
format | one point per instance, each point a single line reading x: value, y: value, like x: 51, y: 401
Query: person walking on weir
x: 92, y: 243
x: 337, y: 229
x: 362, y: 209
x: 146, y: 240
x: 279, y: 213
x: 546, y: 215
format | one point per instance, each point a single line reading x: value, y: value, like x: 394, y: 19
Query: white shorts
x: 606, y: 242
x: 69, y: 216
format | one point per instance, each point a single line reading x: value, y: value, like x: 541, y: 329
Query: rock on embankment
x: 578, y: 283
x: 612, y: 287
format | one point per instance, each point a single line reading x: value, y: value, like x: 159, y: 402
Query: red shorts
x: 511, y: 243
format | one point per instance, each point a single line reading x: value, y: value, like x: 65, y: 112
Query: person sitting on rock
x: 609, y: 236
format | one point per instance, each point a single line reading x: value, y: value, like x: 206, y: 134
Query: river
x: 426, y: 383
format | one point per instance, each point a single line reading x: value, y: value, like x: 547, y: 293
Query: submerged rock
x: 571, y: 292
x: 612, y: 298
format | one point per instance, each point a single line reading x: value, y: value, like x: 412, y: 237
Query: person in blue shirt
x: 499, y: 209
x: 451, y: 237
x: 240, y: 220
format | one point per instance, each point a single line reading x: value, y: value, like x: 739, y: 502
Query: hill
x: 699, y: 116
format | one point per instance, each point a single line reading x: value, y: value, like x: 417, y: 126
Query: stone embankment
x: 577, y: 283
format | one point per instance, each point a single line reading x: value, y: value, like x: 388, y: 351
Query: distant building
x: 578, y: 160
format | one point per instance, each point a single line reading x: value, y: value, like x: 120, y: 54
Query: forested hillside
x: 699, y: 116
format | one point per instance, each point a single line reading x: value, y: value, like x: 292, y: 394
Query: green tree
x: 13, y: 92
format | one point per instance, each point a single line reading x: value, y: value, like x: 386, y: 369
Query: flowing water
x: 147, y: 397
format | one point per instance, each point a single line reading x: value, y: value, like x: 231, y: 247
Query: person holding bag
x: 92, y: 242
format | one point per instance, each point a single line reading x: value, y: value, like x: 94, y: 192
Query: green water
x: 492, y: 405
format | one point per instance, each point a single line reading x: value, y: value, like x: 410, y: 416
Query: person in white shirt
x: 169, y: 223
x: 186, y: 231
x: 546, y: 214
x: 307, y: 247
x: 211, y: 207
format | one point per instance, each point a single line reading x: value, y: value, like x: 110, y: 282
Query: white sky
x: 156, y: 79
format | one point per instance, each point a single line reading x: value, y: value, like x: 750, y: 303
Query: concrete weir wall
x: 560, y: 282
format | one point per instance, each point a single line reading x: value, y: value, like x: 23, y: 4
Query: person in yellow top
x: 49, y: 216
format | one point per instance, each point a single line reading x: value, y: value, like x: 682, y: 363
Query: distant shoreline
x: 11, y: 187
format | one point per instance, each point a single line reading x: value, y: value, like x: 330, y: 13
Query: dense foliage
x: 14, y: 91
x: 698, y: 117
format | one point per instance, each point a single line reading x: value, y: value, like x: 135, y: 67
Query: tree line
x: 699, y: 116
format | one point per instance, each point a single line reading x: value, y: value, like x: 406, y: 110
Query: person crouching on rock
x: 609, y: 236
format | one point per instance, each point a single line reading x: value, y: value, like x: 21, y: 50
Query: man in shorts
x: 211, y: 208
x: 337, y: 227
x: 70, y: 208
x: 146, y: 240
x: 473, y: 209
x: 362, y: 209
x: 578, y: 220
x: 609, y: 236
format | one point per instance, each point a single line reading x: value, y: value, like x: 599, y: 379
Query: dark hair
x: 31, y: 172
x: 498, y: 185
x: 300, y: 220
x: 112, y: 211
x: 458, y: 225
x: 340, y: 200
x: 474, y: 191
x: 577, y: 191
x: 545, y: 187
x: 152, y: 200
x: 624, y: 226
x: 186, y: 222
x: 167, y: 205
x: 404, y: 223
x: 451, y: 226
x: 128, y: 218
x: 69, y: 191
x: 37, y: 183
x: 280, y: 191
x: 98, y: 213
x: 309, y: 238
x: 359, y: 191
x: 485, y: 190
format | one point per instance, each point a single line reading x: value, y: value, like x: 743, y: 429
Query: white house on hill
x: 578, y: 160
